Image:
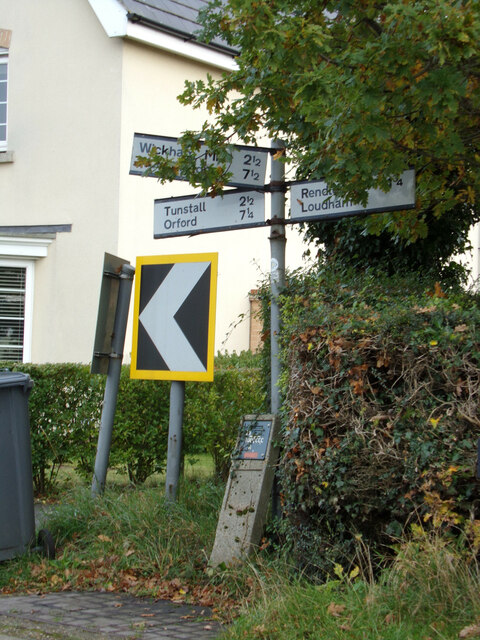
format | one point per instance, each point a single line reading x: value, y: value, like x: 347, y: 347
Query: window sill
x: 6, y: 156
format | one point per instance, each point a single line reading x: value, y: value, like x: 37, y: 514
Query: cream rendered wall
x: 64, y: 122
x: 151, y: 81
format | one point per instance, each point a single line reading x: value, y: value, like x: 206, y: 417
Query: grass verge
x: 131, y: 540
x: 430, y: 592
x: 128, y: 540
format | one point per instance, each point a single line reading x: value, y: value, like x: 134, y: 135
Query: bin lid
x: 15, y: 379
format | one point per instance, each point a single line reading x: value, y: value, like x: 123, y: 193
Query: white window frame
x: 28, y: 265
x: 3, y: 60
x: 23, y: 251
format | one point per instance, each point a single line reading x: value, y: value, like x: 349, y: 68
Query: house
x: 77, y: 80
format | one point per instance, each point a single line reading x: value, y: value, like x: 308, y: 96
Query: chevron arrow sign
x: 174, y: 317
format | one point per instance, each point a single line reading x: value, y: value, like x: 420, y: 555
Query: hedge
x: 65, y: 412
x: 381, y: 414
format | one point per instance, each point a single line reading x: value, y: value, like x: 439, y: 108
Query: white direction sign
x: 190, y: 215
x: 248, y: 166
x: 174, y: 317
x: 314, y: 200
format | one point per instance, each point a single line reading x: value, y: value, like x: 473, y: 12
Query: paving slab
x: 87, y: 615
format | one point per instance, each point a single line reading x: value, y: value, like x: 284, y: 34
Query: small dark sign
x: 107, y: 308
x: 253, y: 442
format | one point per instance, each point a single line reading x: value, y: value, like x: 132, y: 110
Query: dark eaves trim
x: 136, y: 18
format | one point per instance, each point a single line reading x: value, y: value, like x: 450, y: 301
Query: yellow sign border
x: 197, y: 376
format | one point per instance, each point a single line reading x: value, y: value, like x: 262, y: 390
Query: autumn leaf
x: 424, y: 309
x: 103, y: 538
x: 438, y: 291
x: 335, y: 609
x: 354, y: 573
x: 460, y: 328
x: 359, y: 369
x: 358, y: 387
x: 382, y: 361
x: 338, y: 570
x: 334, y: 362
x: 129, y: 578
x: 260, y: 630
x: 473, y: 631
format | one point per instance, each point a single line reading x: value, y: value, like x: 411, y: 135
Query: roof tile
x: 179, y: 17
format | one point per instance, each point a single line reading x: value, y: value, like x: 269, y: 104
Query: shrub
x: 381, y: 402
x: 65, y: 410
x: 140, y: 435
x: 213, y: 412
x: 64, y: 407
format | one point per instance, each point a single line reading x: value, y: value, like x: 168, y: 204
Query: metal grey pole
x: 277, y: 283
x: 174, y: 453
x: 113, y: 379
x: 277, y: 275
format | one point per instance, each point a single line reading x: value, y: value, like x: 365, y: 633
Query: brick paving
x: 88, y: 615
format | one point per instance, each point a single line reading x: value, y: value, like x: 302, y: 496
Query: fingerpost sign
x: 248, y: 164
x: 187, y: 215
x: 314, y: 200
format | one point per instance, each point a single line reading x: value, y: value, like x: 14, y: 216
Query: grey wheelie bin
x: 17, y: 519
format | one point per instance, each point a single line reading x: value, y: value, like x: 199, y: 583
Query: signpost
x: 174, y: 317
x: 107, y: 308
x: 313, y: 200
x: 248, y: 165
x: 167, y: 309
x: 108, y: 352
x: 173, y: 334
x: 190, y: 215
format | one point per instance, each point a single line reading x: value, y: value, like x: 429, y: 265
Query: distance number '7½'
x: 246, y: 201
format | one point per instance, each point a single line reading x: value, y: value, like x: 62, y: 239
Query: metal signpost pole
x: 174, y: 454
x: 277, y: 275
x: 277, y: 283
x: 174, y: 334
x: 113, y: 379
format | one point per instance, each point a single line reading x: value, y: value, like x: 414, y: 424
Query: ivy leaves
x: 380, y: 406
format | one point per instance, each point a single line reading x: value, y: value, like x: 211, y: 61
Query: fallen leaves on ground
x: 336, y: 609
x: 473, y: 631
x: 102, y: 575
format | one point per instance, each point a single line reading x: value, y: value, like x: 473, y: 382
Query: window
x: 16, y: 293
x: 3, y: 98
